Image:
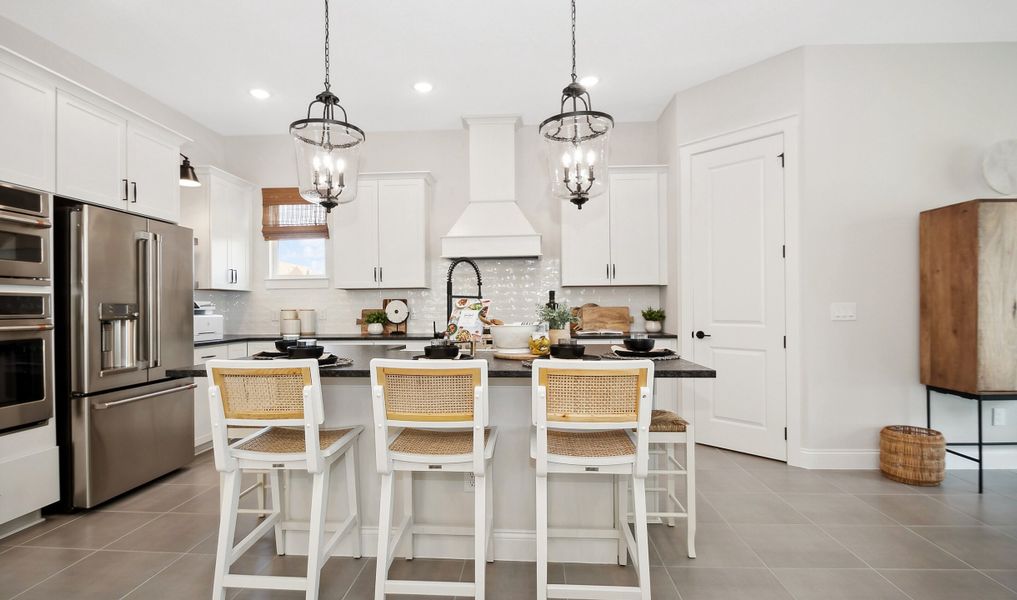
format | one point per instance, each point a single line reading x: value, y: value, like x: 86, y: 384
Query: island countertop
x: 497, y: 367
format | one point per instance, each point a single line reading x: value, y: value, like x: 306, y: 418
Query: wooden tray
x: 515, y: 356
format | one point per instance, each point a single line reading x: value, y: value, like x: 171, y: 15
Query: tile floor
x: 765, y: 531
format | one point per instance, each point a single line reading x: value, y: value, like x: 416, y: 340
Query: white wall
x: 514, y: 285
x: 887, y: 131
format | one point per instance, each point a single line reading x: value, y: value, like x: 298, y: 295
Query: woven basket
x: 912, y: 455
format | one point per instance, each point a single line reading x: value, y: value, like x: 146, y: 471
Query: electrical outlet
x: 273, y: 315
x: 322, y: 314
x: 999, y: 416
x: 469, y: 482
x: 843, y: 311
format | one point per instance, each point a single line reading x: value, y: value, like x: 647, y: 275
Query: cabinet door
x: 220, y: 230
x: 154, y: 174
x: 635, y: 228
x: 402, y: 233
x: 28, y: 119
x: 586, y: 243
x: 91, y: 157
x: 240, y: 237
x: 354, y: 234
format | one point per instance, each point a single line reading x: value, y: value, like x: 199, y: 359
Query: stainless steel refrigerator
x: 123, y: 288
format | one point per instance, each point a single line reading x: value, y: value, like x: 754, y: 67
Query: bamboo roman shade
x: 287, y: 216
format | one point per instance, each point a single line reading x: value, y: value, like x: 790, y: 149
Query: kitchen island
x: 446, y: 498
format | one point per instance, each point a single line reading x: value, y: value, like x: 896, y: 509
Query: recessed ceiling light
x: 589, y: 81
x: 260, y: 94
x: 423, y: 87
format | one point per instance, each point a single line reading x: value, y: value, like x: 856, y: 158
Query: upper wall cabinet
x: 380, y: 239
x: 153, y: 165
x: 27, y: 122
x: 619, y: 238
x: 220, y: 213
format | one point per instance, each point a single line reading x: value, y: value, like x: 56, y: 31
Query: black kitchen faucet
x: 448, y: 284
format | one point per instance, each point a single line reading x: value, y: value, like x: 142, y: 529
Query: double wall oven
x: 26, y: 317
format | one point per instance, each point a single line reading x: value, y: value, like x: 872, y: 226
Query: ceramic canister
x: 308, y: 321
x: 289, y: 326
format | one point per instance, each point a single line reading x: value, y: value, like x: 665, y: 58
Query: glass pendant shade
x: 577, y: 154
x: 328, y: 160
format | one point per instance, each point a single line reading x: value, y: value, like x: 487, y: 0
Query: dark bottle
x: 550, y: 300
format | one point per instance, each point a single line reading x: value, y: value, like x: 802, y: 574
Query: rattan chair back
x: 428, y: 394
x: 588, y: 395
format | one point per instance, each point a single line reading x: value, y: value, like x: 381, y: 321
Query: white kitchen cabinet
x: 91, y: 144
x: 237, y: 350
x: 220, y: 213
x: 380, y: 239
x: 153, y: 167
x: 618, y: 238
x: 28, y: 123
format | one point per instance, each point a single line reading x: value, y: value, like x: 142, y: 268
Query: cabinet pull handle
x: 381, y: 274
x: 134, y: 188
x: 125, y: 189
x: 376, y: 274
x: 209, y: 356
x: 614, y: 271
x: 607, y: 270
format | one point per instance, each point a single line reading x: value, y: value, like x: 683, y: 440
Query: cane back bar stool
x: 594, y: 418
x: 284, y: 402
x: 667, y: 431
x: 432, y: 416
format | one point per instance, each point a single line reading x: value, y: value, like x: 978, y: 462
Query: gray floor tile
x: 951, y: 484
x: 728, y: 481
x: 717, y: 545
x: 836, y: 509
x: 794, y: 481
x: 921, y: 510
x: 980, y: 547
x: 838, y: 584
x: 154, y: 497
x: 1005, y: 578
x: 200, y: 472
x: 758, y: 463
x: 245, y: 524
x: 169, y: 533
x: 1010, y: 531
x: 363, y: 588
x: 755, y: 509
x: 994, y: 480
x: 49, y: 524
x: 191, y: 577
x: 988, y: 508
x: 708, y: 459
x: 515, y: 580
x: 805, y: 546
x: 101, y: 576
x: 948, y: 585
x: 866, y: 482
x: 727, y: 584
x: 21, y: 568
x: 93, y: 530
x: 893, y: 548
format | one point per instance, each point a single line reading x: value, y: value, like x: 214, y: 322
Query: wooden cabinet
x: 220, y: 212
x: 28, y: 123
x: 620, y: 237
x: 380, y: 239
x: 968, y: 283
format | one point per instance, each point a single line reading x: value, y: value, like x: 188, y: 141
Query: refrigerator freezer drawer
x: 131, y: 437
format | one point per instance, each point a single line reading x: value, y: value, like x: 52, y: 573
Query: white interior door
x: 737, y: 243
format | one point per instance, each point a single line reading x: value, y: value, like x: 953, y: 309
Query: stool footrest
x: 592, y: 592
x: 430, y: 588
x: 265, y: 582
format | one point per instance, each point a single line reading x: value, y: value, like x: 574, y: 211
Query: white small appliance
x: 208, y: 328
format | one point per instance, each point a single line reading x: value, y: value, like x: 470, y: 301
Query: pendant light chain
x: 573, y: 41
x: 328, y: 86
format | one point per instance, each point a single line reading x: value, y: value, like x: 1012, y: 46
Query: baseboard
x: 865, y: 458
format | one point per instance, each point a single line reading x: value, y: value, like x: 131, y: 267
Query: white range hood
x: 492, y: 226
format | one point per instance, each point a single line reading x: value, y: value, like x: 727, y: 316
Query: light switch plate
x: 843, y: 311
x: 998, y: 416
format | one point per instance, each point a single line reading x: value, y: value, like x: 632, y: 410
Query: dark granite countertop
x: 268, y: 337
x: 497, y: 367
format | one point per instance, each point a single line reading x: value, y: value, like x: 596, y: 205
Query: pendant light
x: 577, y: 141
x: 328, y: 149
x: 188, y: 178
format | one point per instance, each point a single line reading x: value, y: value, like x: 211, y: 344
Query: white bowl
x: 510, y: 337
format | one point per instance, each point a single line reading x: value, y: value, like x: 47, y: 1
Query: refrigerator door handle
x: 155, y: 304
x: 182, y: 388
x: 145, y: 283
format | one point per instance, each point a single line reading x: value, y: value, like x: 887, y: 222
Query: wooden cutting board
x: 389, y: 327
x: 613, y: 318
x: 515, y: 356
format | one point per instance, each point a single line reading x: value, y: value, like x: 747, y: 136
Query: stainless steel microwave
x: 26, y: 236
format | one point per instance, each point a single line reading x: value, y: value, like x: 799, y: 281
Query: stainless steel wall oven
x: 26, y: 236
x: 26, y: 359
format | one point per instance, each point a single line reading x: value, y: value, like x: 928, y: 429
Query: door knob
x: 701, y: 334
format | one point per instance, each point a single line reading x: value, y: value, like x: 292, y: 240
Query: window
x: 297, y: 259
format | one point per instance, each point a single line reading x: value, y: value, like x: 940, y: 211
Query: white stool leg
x: 261, y: 495
x: 408, y: 507
x: 669, y: 457
x: 490, y: 511
x: 622, y: 517
x: 277, y: 508
x: 690, y: 489
x: 642, y: 541
x: 316, y: 533
x: 541, y: 538
x: 384, y: 530
x: 479, y: 536
x: 230, y: 495
x: 353, y: 496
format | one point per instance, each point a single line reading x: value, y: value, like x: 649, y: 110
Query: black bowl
x: 639, y: 344
x: 450, y: 351
x: 568, y: 351
x: 283, y: 345
x: 305, y: 351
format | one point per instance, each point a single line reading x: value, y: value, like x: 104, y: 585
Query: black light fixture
x: 188, y: 178
x: 328, y: 149
x: 577, y: 141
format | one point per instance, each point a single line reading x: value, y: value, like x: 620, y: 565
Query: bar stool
x: 285, y: 403
x: 667, y: 431
x: 594, y: 418
x: 432, y: 416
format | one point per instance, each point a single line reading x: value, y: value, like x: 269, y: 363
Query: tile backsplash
x: 514, y: 286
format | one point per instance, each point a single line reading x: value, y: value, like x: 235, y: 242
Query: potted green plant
x: 559, y: 319
x: 376, y: 322
x: 654, y: 318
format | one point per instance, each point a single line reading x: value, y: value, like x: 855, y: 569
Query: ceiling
x: 483, y: 57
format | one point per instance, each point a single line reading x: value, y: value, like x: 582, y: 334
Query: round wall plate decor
x: 1000, y: 167
x: 397, y: 311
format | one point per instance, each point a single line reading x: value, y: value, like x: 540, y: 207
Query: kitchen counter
x: 330, y: 337
x: 497, y: 367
